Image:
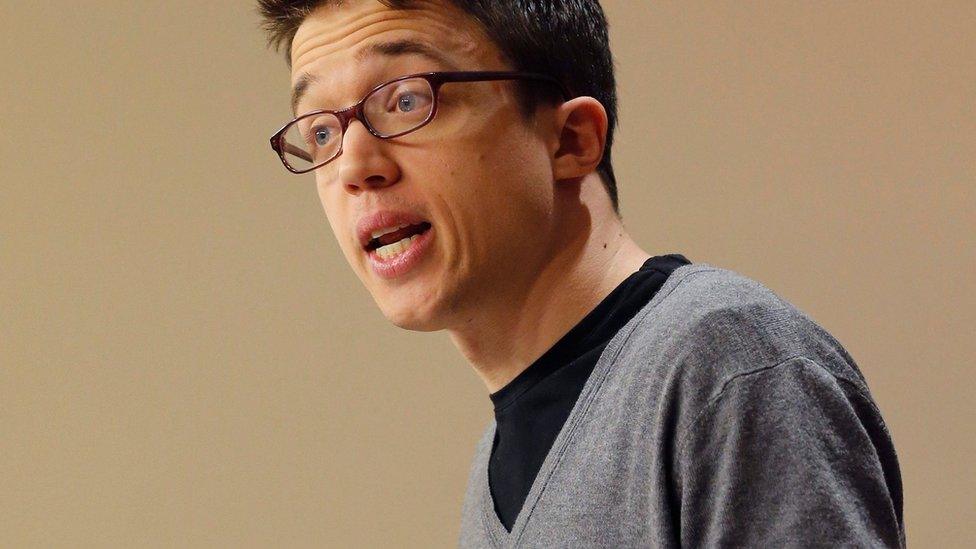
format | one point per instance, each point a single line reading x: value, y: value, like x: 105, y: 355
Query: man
x: 461, y: 150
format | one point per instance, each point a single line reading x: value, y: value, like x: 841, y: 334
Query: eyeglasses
x: 392, y: 109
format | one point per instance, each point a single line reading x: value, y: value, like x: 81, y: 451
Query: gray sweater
x: 719, y: 416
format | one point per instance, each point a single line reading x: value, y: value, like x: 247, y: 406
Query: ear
x: 581, y: 125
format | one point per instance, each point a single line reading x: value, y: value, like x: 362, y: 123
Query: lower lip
x: 402, y: 264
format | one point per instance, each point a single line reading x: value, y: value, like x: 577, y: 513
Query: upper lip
x: 383, y: 219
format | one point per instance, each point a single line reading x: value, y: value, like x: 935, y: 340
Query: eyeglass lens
x: 391, y: 110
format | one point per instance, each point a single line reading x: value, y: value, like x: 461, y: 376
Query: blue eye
x: 322, y: 136
x: 407, y: 102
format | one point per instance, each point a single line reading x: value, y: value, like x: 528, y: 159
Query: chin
x: 418, y: 316
x: 413, y: 305
x: 414, y: 320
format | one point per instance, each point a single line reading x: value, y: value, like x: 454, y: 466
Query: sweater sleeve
x: 788, y: 456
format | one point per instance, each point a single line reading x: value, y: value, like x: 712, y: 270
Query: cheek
x: 515, y: 177
x: 494, y: 194
x: 327, y: 202
x: 337, y: 216
x: 503, y: 160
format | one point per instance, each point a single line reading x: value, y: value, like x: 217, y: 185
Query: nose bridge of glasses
x: 354, y: 112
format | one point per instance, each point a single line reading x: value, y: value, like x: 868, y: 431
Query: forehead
x: 346, y: 44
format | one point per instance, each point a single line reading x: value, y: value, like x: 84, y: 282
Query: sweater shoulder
x: 709, y: 325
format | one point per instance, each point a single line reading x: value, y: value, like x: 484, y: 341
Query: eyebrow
x: 300, y: 89
x: 395, y: 48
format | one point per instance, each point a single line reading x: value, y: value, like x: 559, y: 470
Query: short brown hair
x: 565, y: 39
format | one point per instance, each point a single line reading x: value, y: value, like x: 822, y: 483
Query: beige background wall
x: 187, y: 361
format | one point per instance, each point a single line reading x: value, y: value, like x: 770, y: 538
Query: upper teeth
x: 381, y: 232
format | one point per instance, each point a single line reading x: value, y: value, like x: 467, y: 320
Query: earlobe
x: 582, y: 135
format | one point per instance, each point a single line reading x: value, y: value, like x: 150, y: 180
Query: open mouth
x: 396, y: 242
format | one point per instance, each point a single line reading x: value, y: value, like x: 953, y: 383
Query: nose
x: 365, y: 162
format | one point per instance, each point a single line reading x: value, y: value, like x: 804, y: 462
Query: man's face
x: 479, y: 173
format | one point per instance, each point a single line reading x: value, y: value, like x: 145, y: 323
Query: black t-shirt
x: 531, y: 409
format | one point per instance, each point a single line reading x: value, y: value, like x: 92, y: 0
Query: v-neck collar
x: 501, y: 537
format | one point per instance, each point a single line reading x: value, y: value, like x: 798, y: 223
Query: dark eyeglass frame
x: 434, y: 79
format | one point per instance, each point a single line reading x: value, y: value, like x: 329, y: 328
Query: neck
x: 511, y: 332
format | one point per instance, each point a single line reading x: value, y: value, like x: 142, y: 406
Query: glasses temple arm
x: 295, y: 151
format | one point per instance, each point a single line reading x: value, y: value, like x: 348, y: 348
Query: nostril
x: 365, y: 166
x: 371, y: 181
